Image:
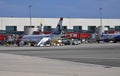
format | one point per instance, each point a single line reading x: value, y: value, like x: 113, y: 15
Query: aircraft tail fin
x: 58, y: 28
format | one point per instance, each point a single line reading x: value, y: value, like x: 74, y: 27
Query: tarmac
x: 19, y: 65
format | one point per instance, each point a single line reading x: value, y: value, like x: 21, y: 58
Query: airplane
x: 101, y: 35
x: 111, y: 37
x: 42, y: 37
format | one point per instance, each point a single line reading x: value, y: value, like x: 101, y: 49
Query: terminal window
x: 91, y: 29
x: 77, y: 28
x: 47, y: 29
x: 11, y: 28
x: 29, y: 26
x: 117, y: 28
x: 64, y: 28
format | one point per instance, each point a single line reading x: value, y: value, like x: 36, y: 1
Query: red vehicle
x: 3, y: 37
x: 77, y: 35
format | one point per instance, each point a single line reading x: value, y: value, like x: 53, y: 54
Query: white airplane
x: 107, y: 37
x: 37, y: 38
x: 111, y: 37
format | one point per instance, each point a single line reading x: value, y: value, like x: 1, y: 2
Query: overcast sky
x: 60, y: 8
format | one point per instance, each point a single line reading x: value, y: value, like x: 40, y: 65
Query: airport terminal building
x: 15, y: 24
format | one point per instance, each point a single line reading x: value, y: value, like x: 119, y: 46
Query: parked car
x: 76, y: 42
x: 66, y: 41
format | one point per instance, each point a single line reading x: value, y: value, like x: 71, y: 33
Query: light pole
x: 100, y: 16
x: 1, y: 22
x: 101, y: 24
x: 30, y: 6
x: 69, y: 22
